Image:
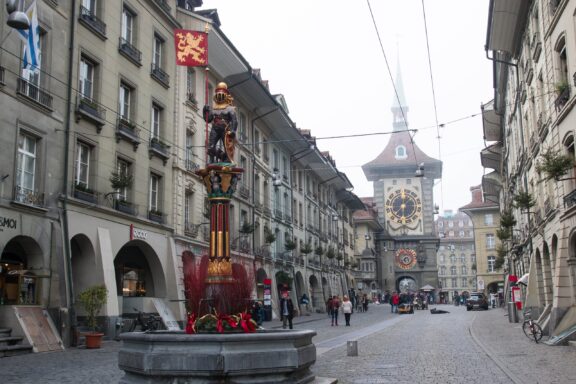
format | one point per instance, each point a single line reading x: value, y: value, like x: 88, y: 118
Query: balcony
x: 92, y: 22
x: 536, y: 46
x: 563, y: 97
x: 156, y: 216
x: 191, y: 230
x: 287, y: 218
x: 160, y: 75
x: 130, y: 52
x: 267, y: 212
x: 28, y: 197
x: 570, y: 199
x: 125, y: 207
x: 34, y: 93
x: 191, y: 100
x: 191, y: 166
x: 163, y: 5
x: 278, y: 214
x: 91, y: 111
x: 243, y: 191
x: 126, y: 130
x: 159, y: 149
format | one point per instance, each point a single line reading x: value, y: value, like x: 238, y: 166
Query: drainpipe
x: 67, y: 252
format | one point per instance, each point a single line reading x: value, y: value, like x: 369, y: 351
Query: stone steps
x: 12, y: 345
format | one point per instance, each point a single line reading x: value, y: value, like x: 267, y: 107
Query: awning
x: 506, y: 19
x: 490, y: 156
x: 427, y: 288
x: 491, y: 186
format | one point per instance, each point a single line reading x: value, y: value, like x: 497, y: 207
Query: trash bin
x: 512, y: 313
x: 268, y: 314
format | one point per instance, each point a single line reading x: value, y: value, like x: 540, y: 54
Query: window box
x: 126, y: 130
x: 92, y: 22
x: 160, y: 75
x: 563, y: 91
x: 156, y: 216
x: 84, y: 193
x: 124, y: 207
x: 130, y: 52
x: 91, y: 111
x: 159, y: 149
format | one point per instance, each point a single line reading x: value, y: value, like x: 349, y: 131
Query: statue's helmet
x: 221, y: 93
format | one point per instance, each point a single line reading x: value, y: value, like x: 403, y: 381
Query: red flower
x: 225, y: 318
x: 247, y: 323
x: 190, y: 324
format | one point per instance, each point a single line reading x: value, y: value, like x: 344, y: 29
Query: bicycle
x: 531, y: 328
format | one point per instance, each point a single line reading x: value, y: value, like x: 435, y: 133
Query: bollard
x: 352, y: 348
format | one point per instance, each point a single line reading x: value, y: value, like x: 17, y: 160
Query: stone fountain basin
x: 266, y: 356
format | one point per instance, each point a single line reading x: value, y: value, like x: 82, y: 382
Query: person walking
x: 286, y: 310
x: 395, y: 300
x: 347, y: 309
x: 335, y: 308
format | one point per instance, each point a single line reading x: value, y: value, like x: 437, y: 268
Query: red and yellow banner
x: 191, y: 48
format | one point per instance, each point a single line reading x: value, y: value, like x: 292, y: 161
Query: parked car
x: 476, y: 300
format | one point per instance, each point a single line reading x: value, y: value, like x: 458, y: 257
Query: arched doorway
x: 572, y: 264
x: 546, y: 275
x: 300, y: 286
x: 21, y: 263
x: 85, y: 272
x: 326, y: 289
x: 539, y: 276
x: 317, y: 299
x: 139, y: 277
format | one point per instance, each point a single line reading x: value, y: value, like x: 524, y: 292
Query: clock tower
x: 403, y: 179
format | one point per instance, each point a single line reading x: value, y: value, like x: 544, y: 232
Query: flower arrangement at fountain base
x: 220, y: 323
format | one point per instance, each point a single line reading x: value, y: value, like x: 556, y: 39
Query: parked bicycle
x: 146, y: 322
x: 530, y: 327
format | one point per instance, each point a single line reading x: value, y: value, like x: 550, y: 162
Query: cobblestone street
x: 457, y: 347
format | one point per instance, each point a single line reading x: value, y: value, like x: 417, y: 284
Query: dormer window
x: 401, y: 152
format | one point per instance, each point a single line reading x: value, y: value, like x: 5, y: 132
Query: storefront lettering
x: 5, y: 222
x: 136, y: 233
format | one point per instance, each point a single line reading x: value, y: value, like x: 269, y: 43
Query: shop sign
x: 267, y: 292
x: 137, y: 233
x: 7, y: 223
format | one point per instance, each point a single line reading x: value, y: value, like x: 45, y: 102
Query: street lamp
x: 17, y: 19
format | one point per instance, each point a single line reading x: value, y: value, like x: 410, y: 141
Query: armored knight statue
x: 224, y: 123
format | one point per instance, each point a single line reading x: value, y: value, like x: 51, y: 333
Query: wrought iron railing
x: 35, y: 93
x: 28, y: 196
x: 570, y: 199
x: 159, y: 74
x: 92, y: 22
x: 130, y: 51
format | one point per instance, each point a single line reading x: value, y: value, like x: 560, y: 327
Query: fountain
x: 220, y: 344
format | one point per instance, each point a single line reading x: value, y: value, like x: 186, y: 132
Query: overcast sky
x: 325, y: 57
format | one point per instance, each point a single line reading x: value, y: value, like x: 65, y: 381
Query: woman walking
x: 335, y: 307
x: 347, y: 309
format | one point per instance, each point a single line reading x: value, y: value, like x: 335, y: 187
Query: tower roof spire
x: 399, y: 108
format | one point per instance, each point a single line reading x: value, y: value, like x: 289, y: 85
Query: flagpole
x: 206, y: 101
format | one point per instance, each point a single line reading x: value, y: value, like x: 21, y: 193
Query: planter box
x: 86, y: 196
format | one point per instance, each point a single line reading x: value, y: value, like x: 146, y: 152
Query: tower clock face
x: 403, y: 206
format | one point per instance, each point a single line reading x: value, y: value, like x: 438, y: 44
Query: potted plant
x: 306, y: 249
x: 289, y: 245
x: 554, y: 164
x: 269, y: 236
x: 92, y: 300
x: 524, y: 200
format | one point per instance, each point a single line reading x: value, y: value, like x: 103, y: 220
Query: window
x: 127, y: 25
x: 451, y: 224
x: 156, y: 115
x: 461, y: 233
x: 452, y: 259
x: 401, y: 152
x: 188, y: 208
x: 86, y: 78
x: 26, y: 172
x: 82, y: 173
x: 473, y: 258
x: 460, y: 223
x: 257, y: 142
x: 454, y: 282
x: 133, y: 282
x: 464, y: 282
x: 442, y: 270
x: 442, y: 258
x: 491, y: 263
x: 124, y: 171
x: 462, y: 258
x: 464, y: 270
x: 488, y: 219
x: 191, y: 85
x: 453, y: 270
x: 158, y: 47
x: 90, y: 5
x: 440, y: 224
x: 242, y: 136
x: 490, y: 241
x: 33, y: 64
x: 189, y: 149
x: 125, y: 101
x: 154, y: 192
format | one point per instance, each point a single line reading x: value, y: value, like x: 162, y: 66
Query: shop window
x: 133, y: 284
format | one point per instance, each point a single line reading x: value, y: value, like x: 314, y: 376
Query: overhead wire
x: 433, y: 97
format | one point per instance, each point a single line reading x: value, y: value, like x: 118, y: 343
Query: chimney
x: 476, y: 194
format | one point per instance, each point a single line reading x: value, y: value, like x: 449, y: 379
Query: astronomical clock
x: 403, y: 206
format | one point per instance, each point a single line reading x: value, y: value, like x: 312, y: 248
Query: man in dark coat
x: 286, y: 310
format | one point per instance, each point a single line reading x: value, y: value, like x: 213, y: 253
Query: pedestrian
x: 395, y: 302
x: 347, y: 309
x: 365, y: 303
x: 286, y: 310
x: 493, y: 299
x: 335, y: 308
x: 258, y: 313
x: 329, y: 306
